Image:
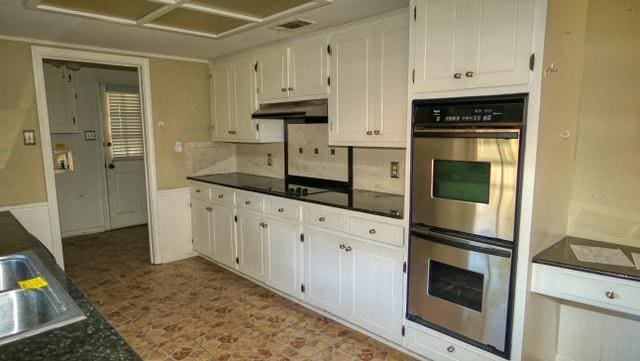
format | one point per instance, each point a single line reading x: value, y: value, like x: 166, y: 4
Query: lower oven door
x: 460, y: 287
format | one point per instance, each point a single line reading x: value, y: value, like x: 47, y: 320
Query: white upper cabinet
x: 294, y: 72
x: 369, y: 73
x: 221, y: 90
x: 463, y: 44
x: 62, y: 102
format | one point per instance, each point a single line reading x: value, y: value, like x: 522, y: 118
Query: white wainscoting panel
x: 174, y: 225
x: 587, y: 334
x: 35, y: 218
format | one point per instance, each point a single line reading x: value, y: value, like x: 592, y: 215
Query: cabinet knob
x: 372, y: 231
x: 610, y: 295
x: 342, y: 246
x: 290, y: 89
x: 280, y: 210
x: 263, y: 225
x: 457, y: 75
x: 348, y: 249
x: 247, y: 202
x: 284, y: 89
x: 209, y: 209
x: 451, y: 349
x: 376, y: 132
x: 469, y: 74
x: 220, y: 196
x: 321, y: 219
x: 369, y: 132
x: 198, y: 190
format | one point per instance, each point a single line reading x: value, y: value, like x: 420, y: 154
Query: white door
x: 284, y: 256
x: 352, y: 97
x: 499, y: 36
x: 201, y: 217
x: 124, y: 143
x: 392, y: 52
x: 221, y: 115
x: 243, y: 98
x: 308, y: 68
x: 273, y: 82
x: 251, y: 245
x: 223, y: 240
x: 376, y: 288
x: 324, y: 272
x: 440, y: 50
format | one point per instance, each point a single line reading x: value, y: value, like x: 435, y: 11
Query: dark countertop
x: 561, y: 255
x: 378, y: 203
x: 90, y: 339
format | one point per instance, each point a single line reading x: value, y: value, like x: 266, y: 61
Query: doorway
x: 95, y: 120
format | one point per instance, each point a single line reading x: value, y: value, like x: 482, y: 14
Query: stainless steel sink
x: 27, y: 311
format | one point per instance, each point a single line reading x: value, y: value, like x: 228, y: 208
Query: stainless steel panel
x: 487, y: 326
x: 498, y: 148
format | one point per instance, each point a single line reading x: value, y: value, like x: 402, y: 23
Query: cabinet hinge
x: 257, y: 127
x: 255, y: 67
x: 235, y: 219
x: 415, y: 13
x: 413, y: 76
x: 330, y: 125
x: 191, y: 240
x: 328, y: 81
x: 237, y: 260
x: 301, y: 237
x: 403, y: 331
x: 210, y: 76
x: 329, y: 49
x: 532, y: 61
x: 404, y: 267
x: 302, y: 288
x: 190, y: 205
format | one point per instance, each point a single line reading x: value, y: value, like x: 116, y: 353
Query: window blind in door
x: 125, y: 123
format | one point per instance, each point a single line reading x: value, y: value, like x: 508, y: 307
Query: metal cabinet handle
x: 469, y: 74
x: 376, y: 132
x: 284, y: 89
x: 451, y: 349
x: 198, y: 191
x: 369, y: 132
x: 372, y: 231
x: 610, y: 295
x: 321, y: 219
x: 220, y: 196
x: 209, y: 209
x: 280, y: 210
x: 232, y: 132
x: 457, y: 75
x: 263, y: 225
x: 290, y: 89
x: 247, y: 202
x: 348, y: 249
x: 342, y: 246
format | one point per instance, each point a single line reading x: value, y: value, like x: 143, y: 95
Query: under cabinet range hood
x: 302, y: 109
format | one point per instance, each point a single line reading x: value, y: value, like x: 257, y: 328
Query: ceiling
x: 174, y: 27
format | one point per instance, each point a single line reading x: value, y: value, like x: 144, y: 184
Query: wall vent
x: 292, y: 25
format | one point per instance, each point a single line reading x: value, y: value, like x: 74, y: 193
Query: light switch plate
x: 394, y: 170
x: 29, y: 137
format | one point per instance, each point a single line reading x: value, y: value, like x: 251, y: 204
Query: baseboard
x: 79, y: 232
x: 562, y: 358
x: 173, y: 231
x: 34, y: 217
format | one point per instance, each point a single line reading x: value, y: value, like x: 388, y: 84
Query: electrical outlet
x: 269, y: 159
x: 394, y: 170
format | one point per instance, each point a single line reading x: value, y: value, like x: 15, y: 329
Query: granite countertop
x: 378, y: 203
x: 90, y: 339
x: 561, y: 255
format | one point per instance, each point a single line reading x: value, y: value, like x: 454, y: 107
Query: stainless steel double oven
x: 464, y: 200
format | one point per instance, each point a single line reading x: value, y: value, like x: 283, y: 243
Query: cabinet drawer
x: 200, y: 191
x: 282, y: 209
x: 376, y: 231
x: 598, y: 291
x: 250, y: 201
x: 438, y: 348
x: 223, y: 195
x: 326, y: 219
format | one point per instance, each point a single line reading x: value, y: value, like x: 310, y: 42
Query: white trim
x: 33, y: 41
x: 226, y: 14
x: 179, y: 30
x: 78, y: 232
x: 86, y: 14
x: 144, y: 79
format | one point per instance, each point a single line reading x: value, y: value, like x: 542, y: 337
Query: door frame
x: 39, y: 53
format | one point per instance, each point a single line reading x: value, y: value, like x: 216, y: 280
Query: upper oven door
x: 466, y: 180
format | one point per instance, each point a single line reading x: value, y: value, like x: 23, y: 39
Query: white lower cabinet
x: 200, y: 224
x: 284, y: 255
x: 222, y: 235
x: 252, y: 244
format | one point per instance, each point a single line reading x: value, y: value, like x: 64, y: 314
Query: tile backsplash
x: 311, y: 156
x: 371, y: 169
x: 252, y: 158
x: 210, y: 157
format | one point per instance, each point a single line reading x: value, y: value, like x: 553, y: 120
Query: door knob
x: 457, y: 75
x: 111, y: 166
x: 108, y: 144
x: 469, y: 74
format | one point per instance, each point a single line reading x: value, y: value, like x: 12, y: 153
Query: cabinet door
x: 201, y: 215
x: 324, y: 273
x: 499, y: 36
x: 243, y: 98
x: 223, y: 240
x: 352, y: 98
x: 392, y: 53
x: 61, y: 99
x: 221, y: 113
x: 376, y: 288
x: 440, y: 50
x: 284, y: 256
x: 273, y: 82
x: 251, y: 245
x: 308, y: 68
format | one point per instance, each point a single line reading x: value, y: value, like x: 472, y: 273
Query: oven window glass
x: 462, y: 181
x: 456, y: 285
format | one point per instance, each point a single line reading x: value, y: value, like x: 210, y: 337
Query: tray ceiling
x: 208, y: 18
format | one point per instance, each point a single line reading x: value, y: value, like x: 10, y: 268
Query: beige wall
x: 606, y: 196
x: 21, y: 171
x: 180, y: 100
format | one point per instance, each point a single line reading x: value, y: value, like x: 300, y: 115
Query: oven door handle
x: 449, y: 133
x: 461, y: 243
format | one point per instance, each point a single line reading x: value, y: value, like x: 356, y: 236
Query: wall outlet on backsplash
x: 394, y: 169
x: 269, y: 159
